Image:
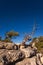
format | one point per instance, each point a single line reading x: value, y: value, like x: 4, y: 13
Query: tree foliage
x: 39, y: 45
x: 11, y: 34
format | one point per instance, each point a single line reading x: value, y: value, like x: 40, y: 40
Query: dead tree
x: 28, y: 37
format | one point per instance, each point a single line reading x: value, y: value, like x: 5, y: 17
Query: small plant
x: 39, y: 45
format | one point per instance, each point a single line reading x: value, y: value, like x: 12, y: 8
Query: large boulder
x: 1, y: 45
x: 7, y: 56
x: 19, y: 55
x: 4, y: 45
x: 33, y: 61
x: 27, y: 61
x: 41, y: 59
x: 1, y: 63
x: 8, y: 46
x: 38, y: 58
x: 29, y: 52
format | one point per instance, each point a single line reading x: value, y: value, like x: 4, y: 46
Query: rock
x: 26, y: 61
x: 22, y: 47
x: 8, y: 45
x: 15, y: 47
x: 7, y: 56
x: 38, y: 57
x: 12, y: 54
x: 33, y: 61
x: 33, y: 44
x: 29, y: 52
x: 4, y: 45
x: 1, y: 45
x: 41, y: 59
x: 1, y: 63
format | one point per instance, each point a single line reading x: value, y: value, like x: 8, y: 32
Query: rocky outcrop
x: 12, y: 54
x: 8, y: 46
x: 7, y: 56
x: 28, y: 52
x: 27, y: 61
x: 31, y: 61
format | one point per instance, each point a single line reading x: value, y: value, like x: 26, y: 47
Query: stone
x: 33, y: 61
x: 29, y: 52
x: 15, y: 47
x: 12, y: 54
x: 41, y: 59
x: 1, y: 45
x: 26, y: 61
x: 7, y: 56
x: 9, y: 46
x: 38, y: 61
x: 1, y: 63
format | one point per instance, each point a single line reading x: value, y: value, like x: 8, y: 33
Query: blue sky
x: 20, y: 15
